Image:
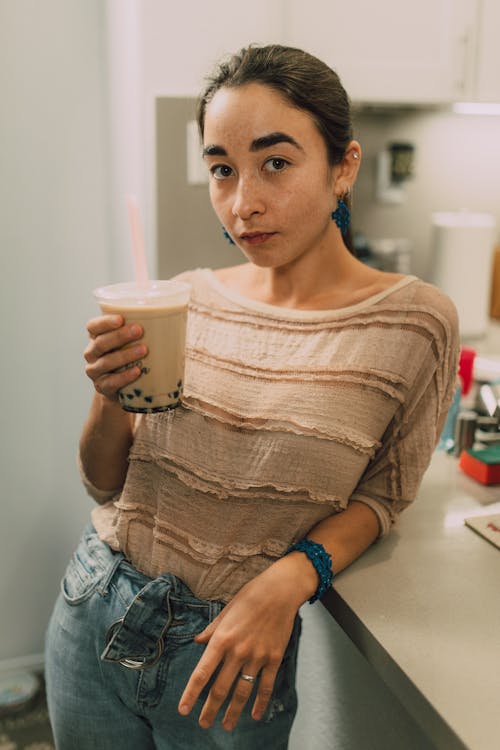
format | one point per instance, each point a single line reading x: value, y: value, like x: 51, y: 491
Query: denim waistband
x: 136, y: 640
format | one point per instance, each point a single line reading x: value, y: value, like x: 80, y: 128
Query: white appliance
x: 462, y: 259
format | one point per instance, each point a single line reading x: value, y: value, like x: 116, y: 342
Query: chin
x: 263, y: 262
x: 266, y: 260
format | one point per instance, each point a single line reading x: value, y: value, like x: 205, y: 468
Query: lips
x: 256, y: 238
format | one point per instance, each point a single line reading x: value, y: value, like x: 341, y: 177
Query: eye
x: 221, y: 171
x: 276, y: 164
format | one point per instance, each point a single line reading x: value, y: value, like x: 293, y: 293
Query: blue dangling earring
x: 228, y: 236
x: 342, y: 216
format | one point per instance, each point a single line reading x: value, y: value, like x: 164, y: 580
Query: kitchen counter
x: 423, y: 606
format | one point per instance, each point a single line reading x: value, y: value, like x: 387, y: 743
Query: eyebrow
x: 265, y: 141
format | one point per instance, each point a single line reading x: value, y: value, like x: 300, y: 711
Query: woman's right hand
x: 113, y: 346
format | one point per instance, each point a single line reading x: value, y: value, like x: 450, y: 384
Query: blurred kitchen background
x: 96, y: 101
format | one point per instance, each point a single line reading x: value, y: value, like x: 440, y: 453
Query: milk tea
x: 162, y: 313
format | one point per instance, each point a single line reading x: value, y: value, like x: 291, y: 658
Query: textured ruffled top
x: 288, y: 416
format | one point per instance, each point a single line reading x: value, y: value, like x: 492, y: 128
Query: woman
x: 316, y: 389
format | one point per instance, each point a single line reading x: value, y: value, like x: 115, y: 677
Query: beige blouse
x: 288, y: 416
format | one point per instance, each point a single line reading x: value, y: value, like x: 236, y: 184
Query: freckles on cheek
x: 300, y: 208
x: 287, y: 203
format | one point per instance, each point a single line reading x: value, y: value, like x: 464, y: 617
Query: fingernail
x: 140, y: 350
x: 228, y: 726
x: 204, y: 724
x: 184, y: 709
x: 135, y: 330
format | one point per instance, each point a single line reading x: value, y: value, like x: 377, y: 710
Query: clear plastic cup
x: 161, y: 310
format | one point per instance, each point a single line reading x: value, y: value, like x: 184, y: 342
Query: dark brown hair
x: 304, y: 81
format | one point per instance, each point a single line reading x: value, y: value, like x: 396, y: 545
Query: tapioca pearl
x: 149, y: 399
x: 137, y: 392
x: 130, y: 396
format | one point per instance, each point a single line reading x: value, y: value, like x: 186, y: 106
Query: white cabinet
x: 388, y: 51
x: 486, y: 82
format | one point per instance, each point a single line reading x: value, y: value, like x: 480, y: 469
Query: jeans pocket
x: 82, y: 574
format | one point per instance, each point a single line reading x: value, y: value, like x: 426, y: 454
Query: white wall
x: 54, y: 240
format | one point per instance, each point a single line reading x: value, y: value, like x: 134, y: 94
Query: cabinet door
x: 487, y: 84
x: 386, y: 51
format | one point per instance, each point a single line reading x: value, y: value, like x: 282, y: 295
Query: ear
x: 347, y: 170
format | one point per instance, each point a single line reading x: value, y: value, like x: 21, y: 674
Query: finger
x: 116, y: 361
x: 103, y: 324
x: 109, y: 341
x: 265, y: 690
x: 205, y: 635
x: 242, y: 691
x: 108, y: 380
x: 199, y: 678
x: 220, y: 690
x: 109, y: 385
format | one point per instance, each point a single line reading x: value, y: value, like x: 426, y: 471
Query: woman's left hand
x: 248, y: 637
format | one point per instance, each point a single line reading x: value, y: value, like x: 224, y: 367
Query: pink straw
x: 140, y: 267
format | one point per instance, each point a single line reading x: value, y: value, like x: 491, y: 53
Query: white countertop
x: 423, y: 606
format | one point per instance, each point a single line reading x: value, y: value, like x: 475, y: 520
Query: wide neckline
x: 291, y: 313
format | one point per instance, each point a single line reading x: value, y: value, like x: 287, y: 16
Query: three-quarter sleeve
x: 392, y: 478
x: 100, y: 496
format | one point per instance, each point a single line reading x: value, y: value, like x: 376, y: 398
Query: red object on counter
x: 482, y: 465
x: 466, y: 368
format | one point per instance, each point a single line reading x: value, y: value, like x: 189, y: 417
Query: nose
x: 248, y: 199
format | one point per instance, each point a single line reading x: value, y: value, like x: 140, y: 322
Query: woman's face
x: 270, y: 182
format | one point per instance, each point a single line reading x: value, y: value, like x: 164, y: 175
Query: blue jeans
x: 109, y: 613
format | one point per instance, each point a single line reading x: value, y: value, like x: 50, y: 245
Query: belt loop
x: 103, y: 586
x: 214, y: 608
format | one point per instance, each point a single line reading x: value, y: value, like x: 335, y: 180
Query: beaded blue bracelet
x: 322, y: 562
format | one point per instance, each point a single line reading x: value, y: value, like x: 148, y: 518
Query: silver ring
x: 247, y: 677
